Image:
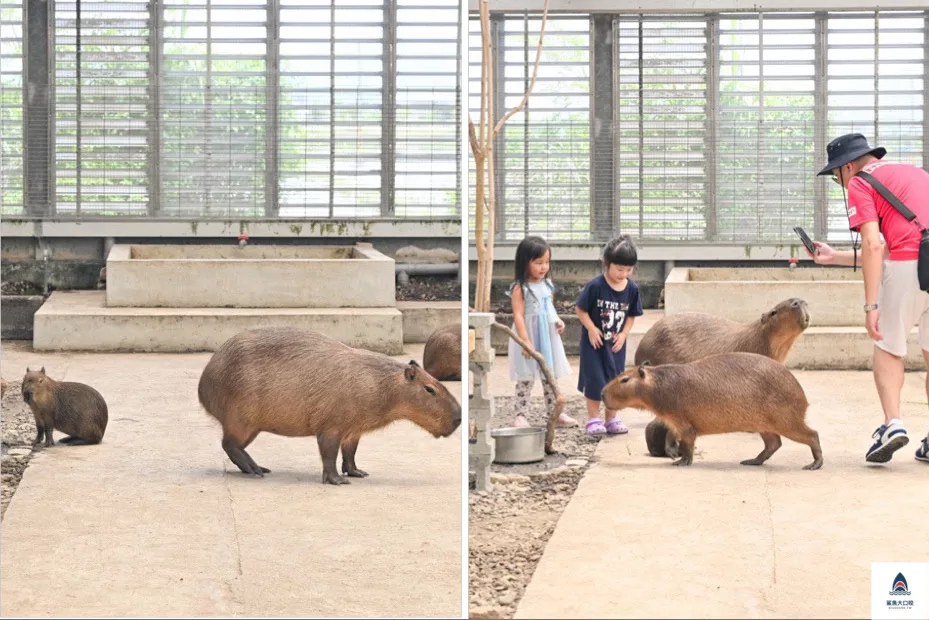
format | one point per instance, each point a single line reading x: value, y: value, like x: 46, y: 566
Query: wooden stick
x: 559, y: 399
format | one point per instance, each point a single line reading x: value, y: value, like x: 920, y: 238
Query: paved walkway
x: 642, y: 538
x: 156, y: 521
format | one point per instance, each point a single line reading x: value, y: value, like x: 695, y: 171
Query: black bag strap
x: 889, y: 197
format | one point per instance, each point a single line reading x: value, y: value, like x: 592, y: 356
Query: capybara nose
x: 27, y: 396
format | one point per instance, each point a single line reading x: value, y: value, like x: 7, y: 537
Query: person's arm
x: 580, y: 309
x: 519, y: 308
x: 872, y: 257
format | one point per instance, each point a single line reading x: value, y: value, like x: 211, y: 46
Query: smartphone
x: 805, y: 239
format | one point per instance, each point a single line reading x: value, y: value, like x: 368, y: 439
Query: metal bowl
x: 519, y: 445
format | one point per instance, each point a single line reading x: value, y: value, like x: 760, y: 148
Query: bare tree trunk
x: 546, y: 371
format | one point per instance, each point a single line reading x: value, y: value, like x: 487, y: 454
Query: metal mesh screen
x: 11, y: 107
x: 237, y: 108
x: 543, y: 153
x: 706, y: 127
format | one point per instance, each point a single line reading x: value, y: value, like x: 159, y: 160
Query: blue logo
x: 900, y: 587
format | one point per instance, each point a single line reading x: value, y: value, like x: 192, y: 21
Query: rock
x: 487, y: 612
x: 576, y: 462
x: 20, y: 451
x: 507, y: 599
x: 413, y: 255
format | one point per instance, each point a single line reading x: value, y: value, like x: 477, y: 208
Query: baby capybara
x: 721, y: 393
x: 688, y: 336
x: 75, y: 409
x: 442, y: 354
x: 296, y: 383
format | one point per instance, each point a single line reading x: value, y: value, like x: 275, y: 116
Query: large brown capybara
x: 442, y: 354
x: 721, y: 393
x: 297, y: 383
x: 75, y: 409
x: 686, y: 337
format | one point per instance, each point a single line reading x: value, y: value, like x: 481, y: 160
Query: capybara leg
x: 329, y: 452
x: 686, y: 446
x: 40, y: 434
x: 772, y: 442
x: 349, y: 447
x: 69, y: 439
x: 241, y: 458
x: 671, y: 445
x: 49, y: 440
x: 811, y: 438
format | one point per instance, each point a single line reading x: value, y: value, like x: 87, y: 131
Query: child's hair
x: 529, y: 249
x: 620, y: 251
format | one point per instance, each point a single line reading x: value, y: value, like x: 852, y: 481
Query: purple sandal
x: 616, y: 427
x: 595, y: 427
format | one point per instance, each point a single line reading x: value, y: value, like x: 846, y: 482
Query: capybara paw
x: 814, y: 465
x: 355, y: 473
x: 264, y: 470
x: 334, y: 478
x: 682, y: 461
x: 752, y: 462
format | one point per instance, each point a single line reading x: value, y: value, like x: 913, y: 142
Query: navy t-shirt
x: 608, y: 309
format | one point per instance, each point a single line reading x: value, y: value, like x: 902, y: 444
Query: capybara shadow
x: 442, y: 353
x: 75, y: 409
x: 298, y: 383
x: 688, y: 336
x: 721, y: 393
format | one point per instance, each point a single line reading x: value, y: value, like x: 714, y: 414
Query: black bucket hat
x: 848, y: 148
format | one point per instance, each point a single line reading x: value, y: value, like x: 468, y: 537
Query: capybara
x: 296, y: 383
x: 685, y: 337
x: 442, y: 354
x: 720, y: 393
x: 75, y: 409
x: 659, y: 440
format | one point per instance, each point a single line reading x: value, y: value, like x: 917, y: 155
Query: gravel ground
x: 509, y: 527
x: 18, y: 431
x: 430, y: 288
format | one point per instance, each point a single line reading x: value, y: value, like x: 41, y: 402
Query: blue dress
x: 540, y: 318
x: 608, y: 310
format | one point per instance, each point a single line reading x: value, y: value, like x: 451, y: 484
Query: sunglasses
x: 836, y: 180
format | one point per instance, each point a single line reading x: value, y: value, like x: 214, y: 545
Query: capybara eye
x: 624, y: 380
x: 430, y: 390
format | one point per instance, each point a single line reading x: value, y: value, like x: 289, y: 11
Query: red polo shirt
x: 908, y: 183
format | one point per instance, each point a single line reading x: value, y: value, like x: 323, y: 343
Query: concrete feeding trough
x: 834, y: 295
x: 253, y: 276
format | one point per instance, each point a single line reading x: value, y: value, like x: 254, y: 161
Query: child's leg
x: 563, y: 419
x: 523, y: 393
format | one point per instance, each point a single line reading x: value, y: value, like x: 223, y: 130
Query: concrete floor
x: 642, y: 538
x: 156, y: 521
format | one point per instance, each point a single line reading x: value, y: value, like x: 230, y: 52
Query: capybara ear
x: 413, y: 363
x: 642, y: 371
x: 43, y: 370
x: 645, y: 363
x: 410, y: 371
x: 764, y: 317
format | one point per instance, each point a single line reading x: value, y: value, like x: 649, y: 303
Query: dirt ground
x: 18, y: 432
x: 430, y: 288
x: 510, y: 526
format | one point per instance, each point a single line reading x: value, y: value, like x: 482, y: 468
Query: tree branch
x: 549, y: 377
x: 535, y: 72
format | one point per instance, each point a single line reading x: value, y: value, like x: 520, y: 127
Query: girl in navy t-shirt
x: 607, y: 308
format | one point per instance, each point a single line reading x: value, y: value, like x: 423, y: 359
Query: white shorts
x: 902, y: 306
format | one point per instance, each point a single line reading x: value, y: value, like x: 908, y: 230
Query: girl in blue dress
x: 607, y: 308
x: 536, y: 322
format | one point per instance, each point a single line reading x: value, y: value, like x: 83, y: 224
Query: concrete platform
x: 644, y: 539
x: 834, y: 295
x: 80, y: 321
x: 421, y: 318
x: 256, y: 276
x: 157, y: 522
x: 819, y: 348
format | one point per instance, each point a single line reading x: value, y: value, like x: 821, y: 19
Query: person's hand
x: 618, y: 341
x: 823, y: 255
x: 525, y: 353
x: 559, y: 326
x: 596, y: 337
x: 871, y: 323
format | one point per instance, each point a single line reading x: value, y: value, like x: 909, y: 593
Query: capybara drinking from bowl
x: 297, y: 383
